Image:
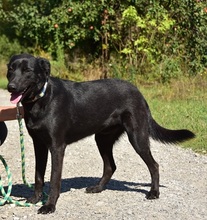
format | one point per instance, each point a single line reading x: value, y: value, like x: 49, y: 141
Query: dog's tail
x: 165, y: 135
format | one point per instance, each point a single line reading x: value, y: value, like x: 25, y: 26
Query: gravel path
x: 183, y: 182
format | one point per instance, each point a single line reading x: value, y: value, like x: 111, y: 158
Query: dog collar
x: 41, y: 94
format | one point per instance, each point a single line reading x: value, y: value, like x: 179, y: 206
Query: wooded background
x: 158, y: 40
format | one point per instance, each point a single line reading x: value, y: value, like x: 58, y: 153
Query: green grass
x: 178, y: 110
x: 186, y: 114
x: 3, y: 82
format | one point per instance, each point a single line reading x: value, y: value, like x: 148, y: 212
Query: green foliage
x: 190, y: 33
x: 8, y: 47
x: 145, y: 35
x: 144, y: 32
x: 169, y: 68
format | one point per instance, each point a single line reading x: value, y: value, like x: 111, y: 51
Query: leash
x: 6, y: 195
x: 19, y: 118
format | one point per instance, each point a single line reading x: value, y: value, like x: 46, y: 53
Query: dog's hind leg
x: 139, y: 138
x: 105, y: 142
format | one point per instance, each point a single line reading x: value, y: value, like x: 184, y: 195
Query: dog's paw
x: 34, y: 199
x: 46, y: 209
x: 153, y: 194
x: 94, y: 189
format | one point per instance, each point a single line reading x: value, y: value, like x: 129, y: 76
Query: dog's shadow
x: 21, y: 190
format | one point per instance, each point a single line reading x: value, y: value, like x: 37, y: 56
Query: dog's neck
x: 41, y: 94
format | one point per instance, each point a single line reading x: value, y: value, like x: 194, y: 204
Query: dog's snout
x: 12, y: 87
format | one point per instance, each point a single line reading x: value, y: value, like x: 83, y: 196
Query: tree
x: 140, y: 34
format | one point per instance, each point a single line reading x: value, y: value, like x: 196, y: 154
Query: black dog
x: 58, y: 112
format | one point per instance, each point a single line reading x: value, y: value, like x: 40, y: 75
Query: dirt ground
x: 183, y: 181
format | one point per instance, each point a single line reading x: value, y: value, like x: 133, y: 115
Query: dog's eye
x: 10, y: 69
x: 9, y: 73
x: 26, y: 69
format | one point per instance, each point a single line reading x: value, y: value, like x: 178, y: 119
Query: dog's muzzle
x: 16, y: 95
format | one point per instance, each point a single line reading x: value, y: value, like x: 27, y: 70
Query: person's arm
x: 9, y: 113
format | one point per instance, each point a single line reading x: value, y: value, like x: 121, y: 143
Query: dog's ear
x: 44, y: 64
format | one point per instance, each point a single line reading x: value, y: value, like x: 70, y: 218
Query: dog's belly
x: 92, y: 126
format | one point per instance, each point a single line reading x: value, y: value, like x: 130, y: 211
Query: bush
x: 142, y: 35
x: 9, y: 47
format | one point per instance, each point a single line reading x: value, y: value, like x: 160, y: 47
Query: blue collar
x: 41, y: 94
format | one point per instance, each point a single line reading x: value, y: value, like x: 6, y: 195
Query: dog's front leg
x: 41, y: 155
x: 57, y: 155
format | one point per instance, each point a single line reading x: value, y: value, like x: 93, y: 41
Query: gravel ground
x: 183, y: 181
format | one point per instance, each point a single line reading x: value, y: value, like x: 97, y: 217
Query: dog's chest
x: 34, y: 120
x: 34, y: 117
x: 33, y: 124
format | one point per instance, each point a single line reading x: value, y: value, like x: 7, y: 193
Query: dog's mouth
x: 27, y: 95
x: 16, y: 97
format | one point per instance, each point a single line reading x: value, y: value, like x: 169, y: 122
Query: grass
x: 3, y: 82
x: 3, y: 69
x: 181, y: 104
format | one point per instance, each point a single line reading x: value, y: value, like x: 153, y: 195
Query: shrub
x: 9, y: 47
x: 141, y: 34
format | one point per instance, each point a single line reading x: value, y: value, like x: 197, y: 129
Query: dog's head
x: 26, y: 76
